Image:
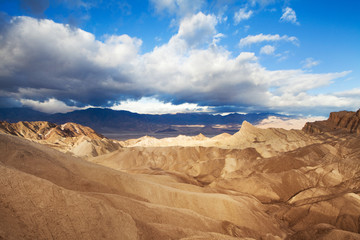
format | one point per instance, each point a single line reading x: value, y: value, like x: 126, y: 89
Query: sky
x: 297, y: 57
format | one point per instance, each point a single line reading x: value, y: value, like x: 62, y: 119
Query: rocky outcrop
x: 337, y: 121
x: 69, y: 137
x: 42, y: 130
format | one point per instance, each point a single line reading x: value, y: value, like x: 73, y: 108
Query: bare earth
x: 68, y: 182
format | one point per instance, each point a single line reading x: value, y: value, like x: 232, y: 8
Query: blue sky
x: 167, y: 56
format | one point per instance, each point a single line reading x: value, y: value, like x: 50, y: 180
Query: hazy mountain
x: 118, y: 123
x: 22, y: 114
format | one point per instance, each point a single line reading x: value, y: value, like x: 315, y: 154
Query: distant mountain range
x: 117, y: 123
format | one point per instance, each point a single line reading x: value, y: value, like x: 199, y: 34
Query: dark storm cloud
x: 41, y: 59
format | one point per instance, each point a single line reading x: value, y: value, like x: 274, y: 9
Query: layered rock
x: 69, y: 137
x: 42, y: 130
x: 344, y: 120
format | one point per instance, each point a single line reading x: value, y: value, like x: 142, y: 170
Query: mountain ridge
x: 107, y: 121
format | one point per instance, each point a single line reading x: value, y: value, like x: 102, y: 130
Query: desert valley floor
x: 69, y: 182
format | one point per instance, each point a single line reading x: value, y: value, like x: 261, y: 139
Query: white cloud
x: 217, y: 38
x: 242, y: 15
x: 148, y: 105
x: 177, y: 7
x: 287, y: 123
x: 252, y: 39
x: 304, y: 100
x: 267, y: 50
x: 289, y: 15
x: 117, y: 50
x: 352, y: 97
x: 310, y: 62
x: 196, y: 30
x: 355, y: 93
x: 43, y: 60
x: 51, y: 105
x: 297, y: 82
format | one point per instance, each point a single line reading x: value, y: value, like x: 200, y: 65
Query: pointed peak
x: 200, y: 136
x: 247, y: 125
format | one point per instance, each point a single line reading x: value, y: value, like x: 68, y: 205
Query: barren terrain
x: 68, y: 182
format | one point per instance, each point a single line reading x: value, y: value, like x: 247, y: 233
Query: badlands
x: 69, y: 182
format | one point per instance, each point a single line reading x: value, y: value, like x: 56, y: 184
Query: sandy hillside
x: 73, y: 138
x: 268, y: 142
x: 255, y: 184
x: 47, y: 194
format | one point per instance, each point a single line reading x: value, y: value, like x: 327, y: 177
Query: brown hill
x: 69, y: 137
x: 41, y: 130
x: 267, y: 142
x: 337, y: 121
x: 46, y: 194
x: 255, y: 184
x: 305, y: 182
x: 196, y: 165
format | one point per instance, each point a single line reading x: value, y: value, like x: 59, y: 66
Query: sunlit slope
x: 47, y: 194
x: 69, y: 137
x: 311, y: 185
x: 267, y: 142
